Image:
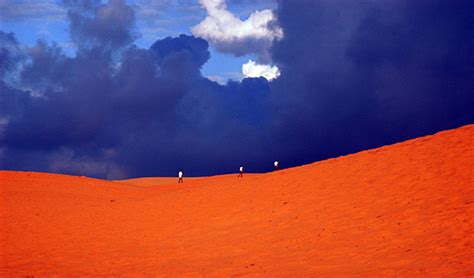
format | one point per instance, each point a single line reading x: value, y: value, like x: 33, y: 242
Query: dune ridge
x: 400, y: 210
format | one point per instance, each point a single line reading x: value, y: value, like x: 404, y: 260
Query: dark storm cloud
x: 359, y: 75
x: 10, y: 53
x: 94, y: 23
x: 118, y: 110
x: 354, y: 76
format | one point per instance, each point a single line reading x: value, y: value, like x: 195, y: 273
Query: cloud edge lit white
x: 254, y: 70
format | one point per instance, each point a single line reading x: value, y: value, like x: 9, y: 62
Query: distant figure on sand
x: 241, y: 172
x: 275, y: 165
x: 180, y: 176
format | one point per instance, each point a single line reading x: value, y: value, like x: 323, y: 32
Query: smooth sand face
x: 152, y: 181
x: 403, y: 210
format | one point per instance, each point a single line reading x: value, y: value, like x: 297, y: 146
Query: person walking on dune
x: 180, y: 176
x: 275, y: 165
x: 241, y: 172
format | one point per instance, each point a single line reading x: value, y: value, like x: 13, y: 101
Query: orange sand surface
x: 402, y: 210
x: 169, y: 180
x: 151, y: 181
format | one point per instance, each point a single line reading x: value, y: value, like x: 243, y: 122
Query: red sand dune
x: 405, y: 209
x: 151, y: 181
x: 169, y: 180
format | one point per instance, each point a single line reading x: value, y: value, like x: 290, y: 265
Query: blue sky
x: 47, y: 20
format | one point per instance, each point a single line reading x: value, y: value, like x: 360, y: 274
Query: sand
x: 400, y: 210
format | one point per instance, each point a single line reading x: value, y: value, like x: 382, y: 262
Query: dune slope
x: 404, y: 209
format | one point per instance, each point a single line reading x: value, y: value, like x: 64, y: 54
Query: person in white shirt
x: 241, y: 172
x: 275, y: 165
x: 180, y: 176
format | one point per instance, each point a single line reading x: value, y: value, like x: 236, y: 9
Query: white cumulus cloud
x: 252, y: 69
x: 227, y: 33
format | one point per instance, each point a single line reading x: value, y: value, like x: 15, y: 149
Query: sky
x: 120, y: 89
x: 47, y: 20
